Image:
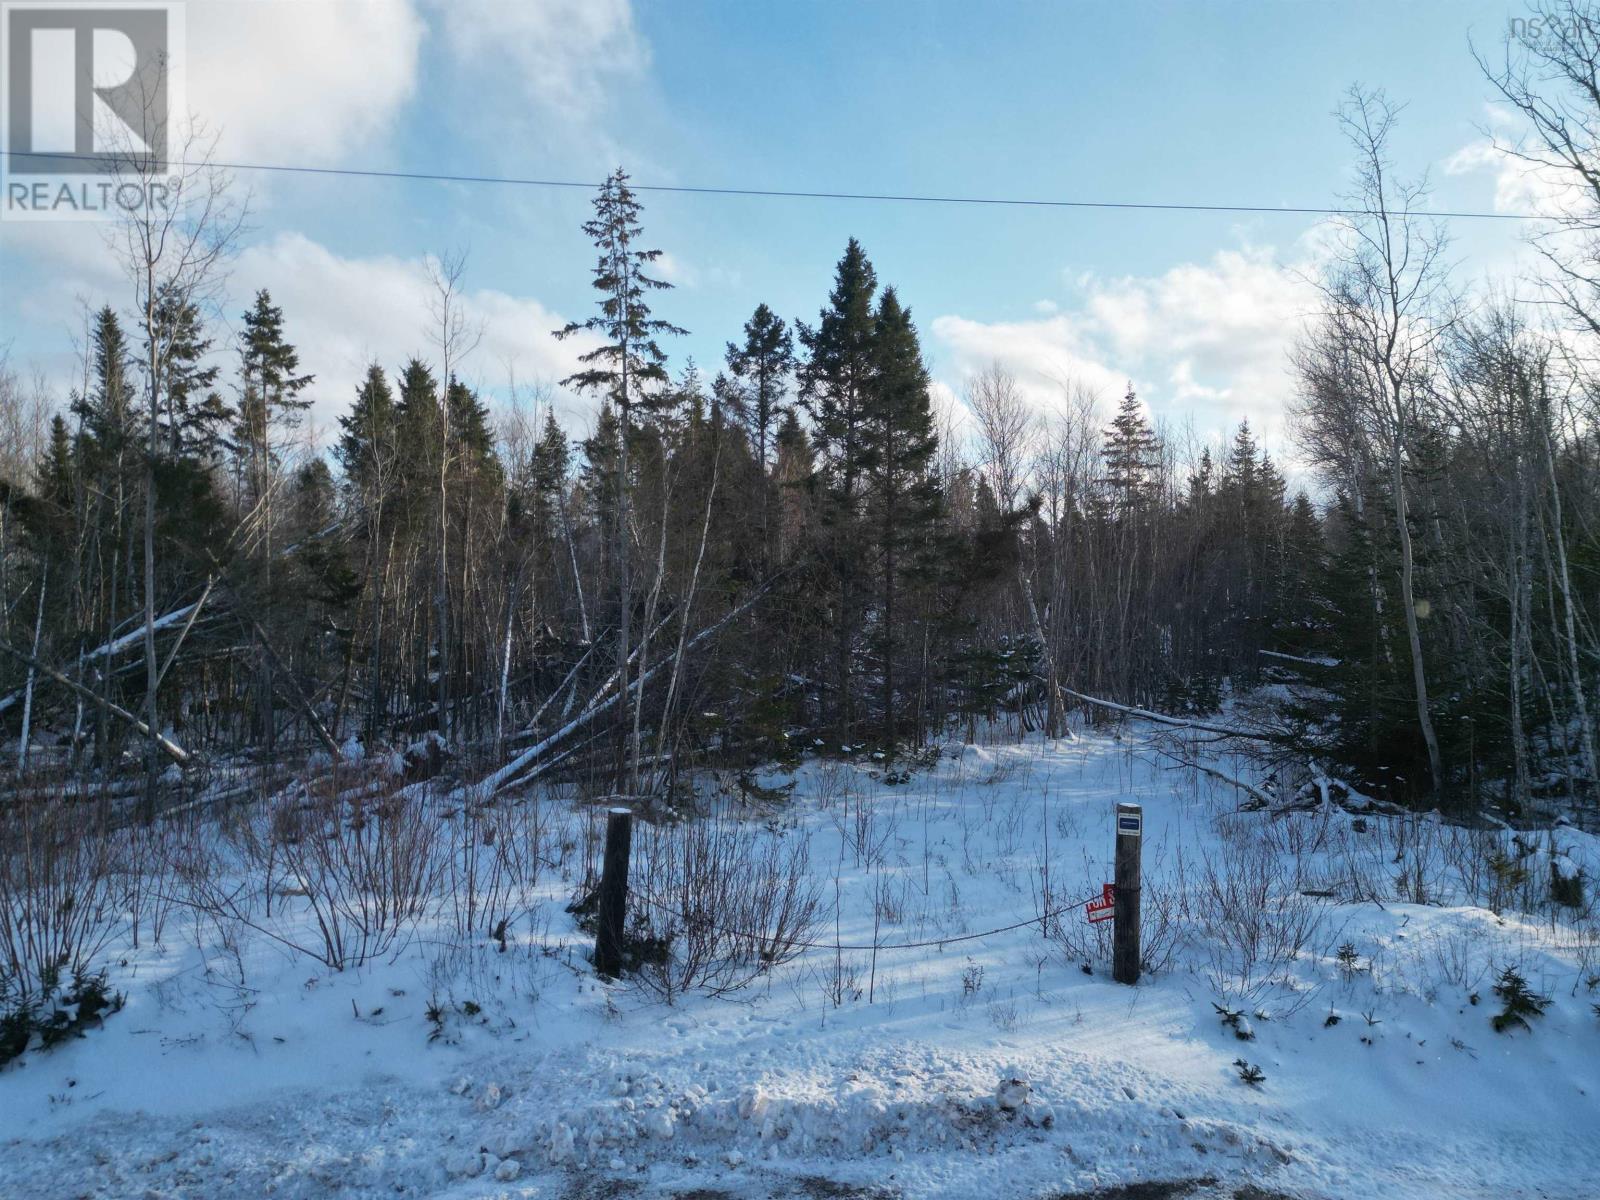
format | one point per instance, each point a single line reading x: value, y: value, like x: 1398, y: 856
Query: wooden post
x: 1125, y: 924
x: 613, y: 907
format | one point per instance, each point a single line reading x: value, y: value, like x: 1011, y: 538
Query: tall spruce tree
x: 270, y: 387
x: 629, y: 370
x: 419, y: 438
x: 367, y: 452
x: 194, y: 413
x: 762, y: 364
x: 107, y: 444
x: 106, y: 411
x: 545, y: 499
x: 901, y: 488
x: 1131, y: 453
x: 834, y: 382
x: 366, y: 445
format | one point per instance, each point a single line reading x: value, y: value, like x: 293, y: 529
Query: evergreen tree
x: 543, y: 500
x: 106, y: 414
x: 269, y: 395
x: 762, y: 365
x: 53, y: 518
x: 107, y: 451
x: 1132, y: 454
x: 1202, y: 481
x: 330, y: 583
x: 1299, y: 621
x: 419, y: 447
x: 366, y: 447
x: 901, y: 487
x: 602, y: 454
x: 195, y: 414
x: 624, y: 368
x: 472, y: 451
x: 794, y: 476
x: 834, y: 381
x: 58, y: 468
x: 368, y: 454
x: 548, y: 476
x: 270, y: 387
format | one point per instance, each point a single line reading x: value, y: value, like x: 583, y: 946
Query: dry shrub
x: 1080, y: 942
x: 831, y: 782
x: 491, y: 865
x: 1458, y: 955
x: 1086, y: 944
x: 57, y: 900
x: 366, y: 869
x: 1253, y: 920
x: 723, y: 900
x: 149, y: 861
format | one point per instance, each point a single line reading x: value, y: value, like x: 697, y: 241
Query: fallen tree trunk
x: 599, y: 704
x: 168, y: 747
x: 119, y: 644
x: 1193, y: 764
x: 292, y: 687
x: 1179, y: 722
x: 532, y: 726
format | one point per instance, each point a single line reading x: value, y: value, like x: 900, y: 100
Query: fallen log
x: 118, y: 644
x: 518, y: 770
x: 291, y: 688
x: 1179, y: 722
x: 168, y: 747
x: 1262, y: 799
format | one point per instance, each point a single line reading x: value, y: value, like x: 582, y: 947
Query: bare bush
x: 1457, y: 956
x: 146, y: 865
x: 841, y: 981
x: 366, y: 870
x: 832, y: 782
x: 1254, y: 922
x: 491, y: 865
x: 1162, y: 927
x: 1162, y: 905
x: 721, y: 902
x: 57, y: 900
x: 1080, y: 942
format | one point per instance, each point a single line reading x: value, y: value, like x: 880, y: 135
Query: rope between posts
x: 805, y: 945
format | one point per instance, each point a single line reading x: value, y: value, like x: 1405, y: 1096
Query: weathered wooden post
x: 1125, y: 925
x: 613, y: 906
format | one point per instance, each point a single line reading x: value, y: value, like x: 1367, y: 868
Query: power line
x: 786, y: 194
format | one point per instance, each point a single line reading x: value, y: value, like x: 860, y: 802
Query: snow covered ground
x: 1007, y: 1066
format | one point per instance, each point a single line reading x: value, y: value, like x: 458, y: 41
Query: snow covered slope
x: 1359, y: 953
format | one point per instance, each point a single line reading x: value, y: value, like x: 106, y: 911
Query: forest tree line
x: 796, y: 547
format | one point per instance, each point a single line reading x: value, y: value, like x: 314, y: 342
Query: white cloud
x: 344, y: 313
x: 676, y: 271
x: 1520, y: 186
x: 300, y: 81
x: 1045, y: 355
x: 341, y: 313
x: 564, y: 54
x: 1208, y: 339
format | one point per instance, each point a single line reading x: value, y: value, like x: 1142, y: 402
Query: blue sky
x: 1206, y: 103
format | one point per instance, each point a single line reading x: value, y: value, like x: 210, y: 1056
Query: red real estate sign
x: 1102, y: 909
